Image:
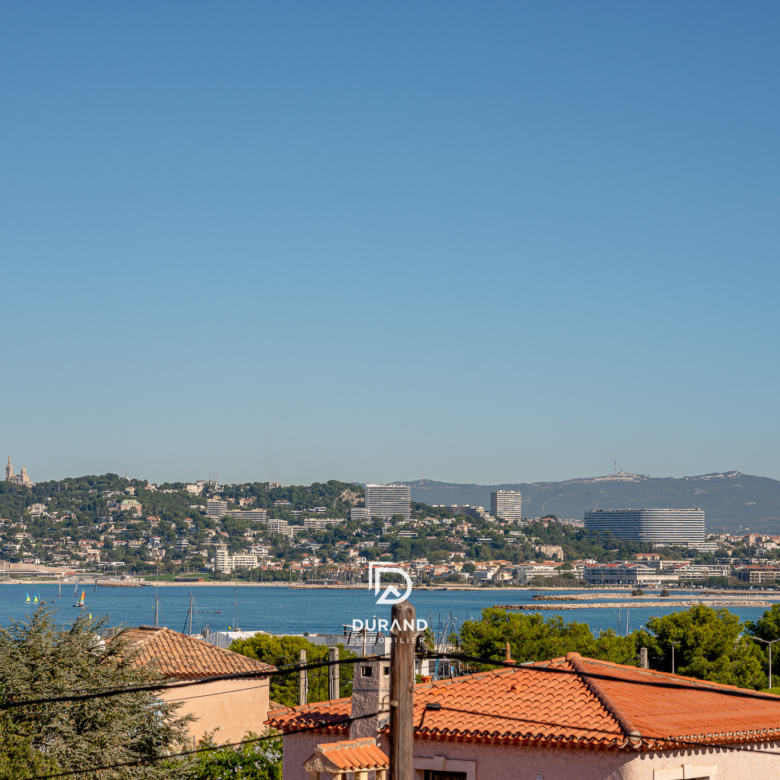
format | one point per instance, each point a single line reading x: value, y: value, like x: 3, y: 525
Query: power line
x: 160, y: 686
x: 174, y: 756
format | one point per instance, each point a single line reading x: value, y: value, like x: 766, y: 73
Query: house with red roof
x: 569, y: 718
x: 232, y: 706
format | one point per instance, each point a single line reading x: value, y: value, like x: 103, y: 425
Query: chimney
x: 370, y: 695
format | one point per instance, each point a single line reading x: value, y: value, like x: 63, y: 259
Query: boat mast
x: 157, y: 598
x: 189, y: 633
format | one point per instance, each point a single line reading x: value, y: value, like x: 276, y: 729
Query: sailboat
x: 35, y: 598
x: 59, y: 590
x: 76, y: 589
x: 80, y: 602
x: 27, y: 600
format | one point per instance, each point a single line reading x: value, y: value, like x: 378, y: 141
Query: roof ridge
x: 629, y: 729
x: 694, y: 682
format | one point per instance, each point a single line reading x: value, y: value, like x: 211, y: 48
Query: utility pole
x: 333, y: 674
x: 303, y: 681
x: 673, y: 644
x: 643, y: 662
x: 770, y: 643
x: 402, y: 692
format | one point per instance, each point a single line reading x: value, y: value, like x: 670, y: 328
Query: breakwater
x: 677, y: 604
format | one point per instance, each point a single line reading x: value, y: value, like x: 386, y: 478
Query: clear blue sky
x: 483, y: 242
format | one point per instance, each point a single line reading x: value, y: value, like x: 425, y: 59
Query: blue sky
x: 474, y: 242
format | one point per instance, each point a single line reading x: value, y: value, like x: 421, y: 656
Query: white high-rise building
x: 221, y: 558
x: 507, y: 504
x: 387, y: 500
x: 216, y: 509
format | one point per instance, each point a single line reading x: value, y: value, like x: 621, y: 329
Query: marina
x: 280, y: 609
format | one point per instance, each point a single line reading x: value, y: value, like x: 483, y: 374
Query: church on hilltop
x: 18, y: 479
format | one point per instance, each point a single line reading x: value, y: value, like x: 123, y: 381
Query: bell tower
x: 9, y: 469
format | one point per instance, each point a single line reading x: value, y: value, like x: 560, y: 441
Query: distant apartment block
x: 255, y: 515
x: 216, y: 509
x: 387, y: 500
x: 477, y: 512
x: 667, y: 526
x: 321, y: 523
x: 227, y: 563
x: 282, y: 527
x: 507, y: 504
x: 359, y: 513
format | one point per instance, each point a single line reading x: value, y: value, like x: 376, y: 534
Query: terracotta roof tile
x: 347, y: 756
x: 573, y: 701
x: 182, y: 657
x: 676, y: 708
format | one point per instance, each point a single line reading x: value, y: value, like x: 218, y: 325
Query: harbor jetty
x: 684, y: 603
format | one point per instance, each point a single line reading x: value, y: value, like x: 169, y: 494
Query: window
x: 368, y: 671
x: 432, y: 775
x: 443, y: 768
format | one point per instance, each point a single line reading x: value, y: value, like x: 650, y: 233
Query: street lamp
x: 673, y: 644
x: 767, y: 642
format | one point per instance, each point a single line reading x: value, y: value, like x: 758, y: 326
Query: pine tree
x: 40, y: 659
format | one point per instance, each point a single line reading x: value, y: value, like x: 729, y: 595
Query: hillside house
x: 242, y: 704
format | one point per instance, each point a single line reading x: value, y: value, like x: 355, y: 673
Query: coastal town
x: 325, y: 534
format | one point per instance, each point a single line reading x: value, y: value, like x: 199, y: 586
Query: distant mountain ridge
x: 732, y: 501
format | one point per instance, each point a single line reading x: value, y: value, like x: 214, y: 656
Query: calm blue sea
x: 282, y: 610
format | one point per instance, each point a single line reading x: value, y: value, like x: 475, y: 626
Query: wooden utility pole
x: 303, y: 682
x: 334, y: 686
x: 402, y: 691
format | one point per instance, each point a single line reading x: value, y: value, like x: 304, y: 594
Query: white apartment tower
x: 387, y: 500
x: 507, y: 504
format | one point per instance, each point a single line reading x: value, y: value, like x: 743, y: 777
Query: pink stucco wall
x: 499, y: 762
x: 496, y: 762
x: 240, y: 706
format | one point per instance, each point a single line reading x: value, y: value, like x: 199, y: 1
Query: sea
x: 284, y: 610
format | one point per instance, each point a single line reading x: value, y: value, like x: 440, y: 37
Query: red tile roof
x: 573, y: 702
x: 348, y: 755
x: 182, y: 657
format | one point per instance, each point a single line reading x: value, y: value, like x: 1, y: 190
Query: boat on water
x: 80, y: 603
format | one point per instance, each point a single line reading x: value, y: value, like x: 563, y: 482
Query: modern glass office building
x: 670, y: 526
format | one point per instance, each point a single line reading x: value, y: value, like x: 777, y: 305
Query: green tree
x: 709, y: 646
x: 286, y: 650
x: 767, y: 627
x: 531, y: 638
x: 39, y: 659
x: 251, y: 760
